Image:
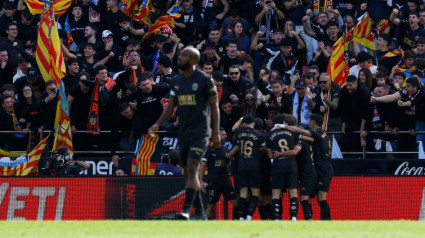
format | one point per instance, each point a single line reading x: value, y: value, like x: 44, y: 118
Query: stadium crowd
x: 265, y: 57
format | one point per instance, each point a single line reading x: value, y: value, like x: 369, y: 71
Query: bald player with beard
x: 196, y: 97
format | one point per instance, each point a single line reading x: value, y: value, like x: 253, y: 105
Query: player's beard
x: 184, y: 67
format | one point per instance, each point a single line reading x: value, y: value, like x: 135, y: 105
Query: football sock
x: 307, y: 210
x: 242, y: 207
x: 293, y: 207
x: 275, y: 209
x: 190, y: 197
x: 197, y: 204
x: 252, y: 205
x: 325, y: 211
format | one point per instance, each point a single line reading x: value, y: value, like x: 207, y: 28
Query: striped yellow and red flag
x: 129, y: 7
x: 21, y: 165
x: 338, y: 64
x: 362, y: 32
x: 63, y: 136
x: 144, y: 150
x: 384, y: 26
x: 49, y: 54
x: 142, y: 16
x: 167, y: 20
x: 393, y: 53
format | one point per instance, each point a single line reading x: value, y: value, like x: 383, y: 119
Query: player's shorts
x: 308, y: 186
x: 192, y: 147
x: 285, y: 180
x: 324, y: 179
x: 219, y: 187
x: 250, y: 178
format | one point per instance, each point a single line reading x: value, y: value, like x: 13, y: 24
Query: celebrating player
x: 196, y: 97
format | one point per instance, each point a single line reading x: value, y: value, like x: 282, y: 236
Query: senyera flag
x: 15, y: 164
x: 50, y: 61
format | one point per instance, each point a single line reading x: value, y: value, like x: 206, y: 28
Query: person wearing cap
x: 114, y: 64
x: 32, y: 78
x: 364, y: 61
x: 284, y: 61
x: 298, y: 105
x: 164, y: 73
x: 355, y: 114
x: 412, y: 100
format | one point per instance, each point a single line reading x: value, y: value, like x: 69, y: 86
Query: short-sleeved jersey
x: 249, y: 142
x: 192, y: 96
x: 282, y: 140
x: 305, y: 160
x: 217, y: 163
x: 321, y: 150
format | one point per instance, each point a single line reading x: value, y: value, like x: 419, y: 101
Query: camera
x: 58, y: 163
x: 165, y: 157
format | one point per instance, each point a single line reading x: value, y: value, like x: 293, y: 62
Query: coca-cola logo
x: 405, y: 169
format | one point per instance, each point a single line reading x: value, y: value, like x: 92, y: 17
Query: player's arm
x: 298, y: 130
x: 215, y: 117
x: 237, y: 124
x: 165, y: 115
x: 232, y: 153
x: 387, y: 98
x: 288, y: 153
x: 306, y: 138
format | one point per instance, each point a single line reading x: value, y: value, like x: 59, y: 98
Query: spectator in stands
x: 321, y: 56
x: 28, y: 111
x: 77, y: 23
x: 230, y: 58
x: 132, y: 73
x: 355, y: 113
x: 6, y: 69
x: 23, y: 65
x: 8, y: 122
x: 238, y: 34
x: 217, y: 77
x: 298, y: 103
x: 228, y: 116
x: 164, y: 72
x: 168, y: 165
x: 210, y: 54
x: 285, y: 62
x: 364, y: 61
x: 246, y: 64
x: 410, y: 30
x: 70, y: 80
x: 7, y: 17
x: 90, y: 37
x: 11, y: 43
x: 365, y: 77
x: 229, y: 22
x: 32, y: 78
x: 148, y: 97
x: 208, y: 68
x: 48, y: 105
x: 114, y: 63
x: 236, y: 85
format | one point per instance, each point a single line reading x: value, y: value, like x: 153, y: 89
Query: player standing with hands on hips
x: 196, y: 97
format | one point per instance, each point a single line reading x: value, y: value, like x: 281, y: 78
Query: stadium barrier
x: 171, y: 139
x: 99, y: 198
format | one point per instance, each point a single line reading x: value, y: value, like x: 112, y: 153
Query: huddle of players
x: 299, y: 157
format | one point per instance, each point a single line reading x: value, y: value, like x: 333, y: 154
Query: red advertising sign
x: 350, y: 198
x: 52, y: 198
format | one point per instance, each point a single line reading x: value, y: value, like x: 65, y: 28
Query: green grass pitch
x: 216, y: 229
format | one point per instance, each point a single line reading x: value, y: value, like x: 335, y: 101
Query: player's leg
x: 325, y: 211
x: 242, y: 203
x: 276, y: 194
x: 292, y: 183
x: 307, y: 190
x: 229, y: 195
x: 253, y: 202
x: 293, y: 203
